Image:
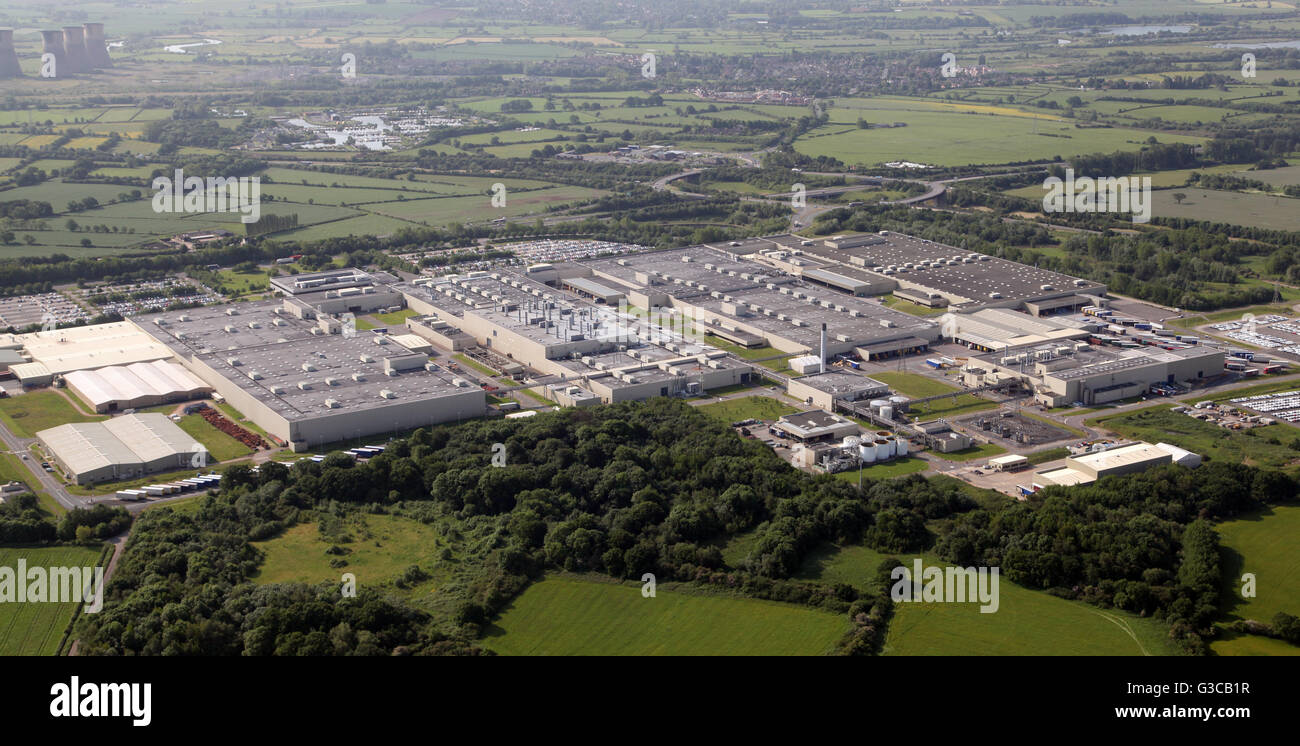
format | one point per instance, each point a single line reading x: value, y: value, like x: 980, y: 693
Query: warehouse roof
x: 93, y: 346
x: 151, y: 436
x: 86, y: 446
x: 127, y: 383
x: 129, y: 440
x: 1136, y: 453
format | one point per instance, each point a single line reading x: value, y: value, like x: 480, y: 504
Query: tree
x: 1179, y: 197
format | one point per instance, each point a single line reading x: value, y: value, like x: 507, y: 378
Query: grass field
x: 1261, y: 210
x: 1232, y: 643
x: 1159, y: 424
x: 1263, y: 544
x: 984, y: 450
x: 566, y: 616
x: 396, y: 318
x: 888, y: 470
x: 381, y: 549
x: 950, y: 134
x: 907, y: 306
x: 35, y: 628
x: 1027, y: 622
x: 221, y: 447
x: 749, y: 407
x: 32, y: 412
x: 919, y: 386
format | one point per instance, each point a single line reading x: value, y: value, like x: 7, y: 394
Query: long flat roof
x: 267, y: 360
x: 93, y: 346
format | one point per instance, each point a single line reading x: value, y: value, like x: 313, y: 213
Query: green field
x: 1027, y: 622
x: 745, y: 408
x: 1263, y: 544
x: 36, y: 628
x: 1232, y: 643
x: 1261, y: 210
x: 952, y: 134
x: 1159, y: 424
x: 565, y: 616
x: 221, y: 447
x: 984, y: 450
x: 32, y: 412
x: 396, y: 318
x: 919, y: 386
x: 888, y: 470
x: 381, y: 549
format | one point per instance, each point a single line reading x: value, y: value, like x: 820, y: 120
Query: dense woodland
x: 653, y: 487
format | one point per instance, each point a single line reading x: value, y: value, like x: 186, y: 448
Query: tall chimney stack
x: 822, y: 367
x: 54, y: 45
x: 96, y: 47
x: 74, y: 46
x: 9, y: 67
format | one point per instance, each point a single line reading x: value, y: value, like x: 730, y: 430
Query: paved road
x: 47, y: 481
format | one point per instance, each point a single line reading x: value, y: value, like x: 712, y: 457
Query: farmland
x: 36, y: 628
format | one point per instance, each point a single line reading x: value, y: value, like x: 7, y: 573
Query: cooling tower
x: 96, y: 47
x: 74, y: 46
x: 54, y: 45
x: 8, y: 57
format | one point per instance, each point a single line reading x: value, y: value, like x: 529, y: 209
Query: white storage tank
x: 867, y: 452
x: 851, y: 441
x: 902, y: 447
x: 891, y: 447
x: 882, y: 450
x: 876, y: 404
x: 887, y: 412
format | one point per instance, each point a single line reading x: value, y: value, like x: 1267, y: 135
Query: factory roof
x: 951, y: 270
x: 129, y: 439
x: 841, y: 384
x: 125, y: 383
x: 1135, y: 453
x: 296, y: 370
x: 93, y: 346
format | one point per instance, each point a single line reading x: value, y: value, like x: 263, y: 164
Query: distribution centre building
x: 120, y: 448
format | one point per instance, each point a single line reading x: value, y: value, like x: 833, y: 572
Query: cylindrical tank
x: 882, y: 450
x: 851, y: 441
x: 901, y: 446
x: 876, y: 404
x: 867, y: 452
x: 899, y: 403
x: 52, y: 43
x: 892, y: 446
x: 96, y: 47
x: 887, y: 412
x: 9, y: 67
x: 74, y: 46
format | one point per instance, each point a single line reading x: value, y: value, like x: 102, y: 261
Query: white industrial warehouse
x: 137, y: 385
x: 120, y: 448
